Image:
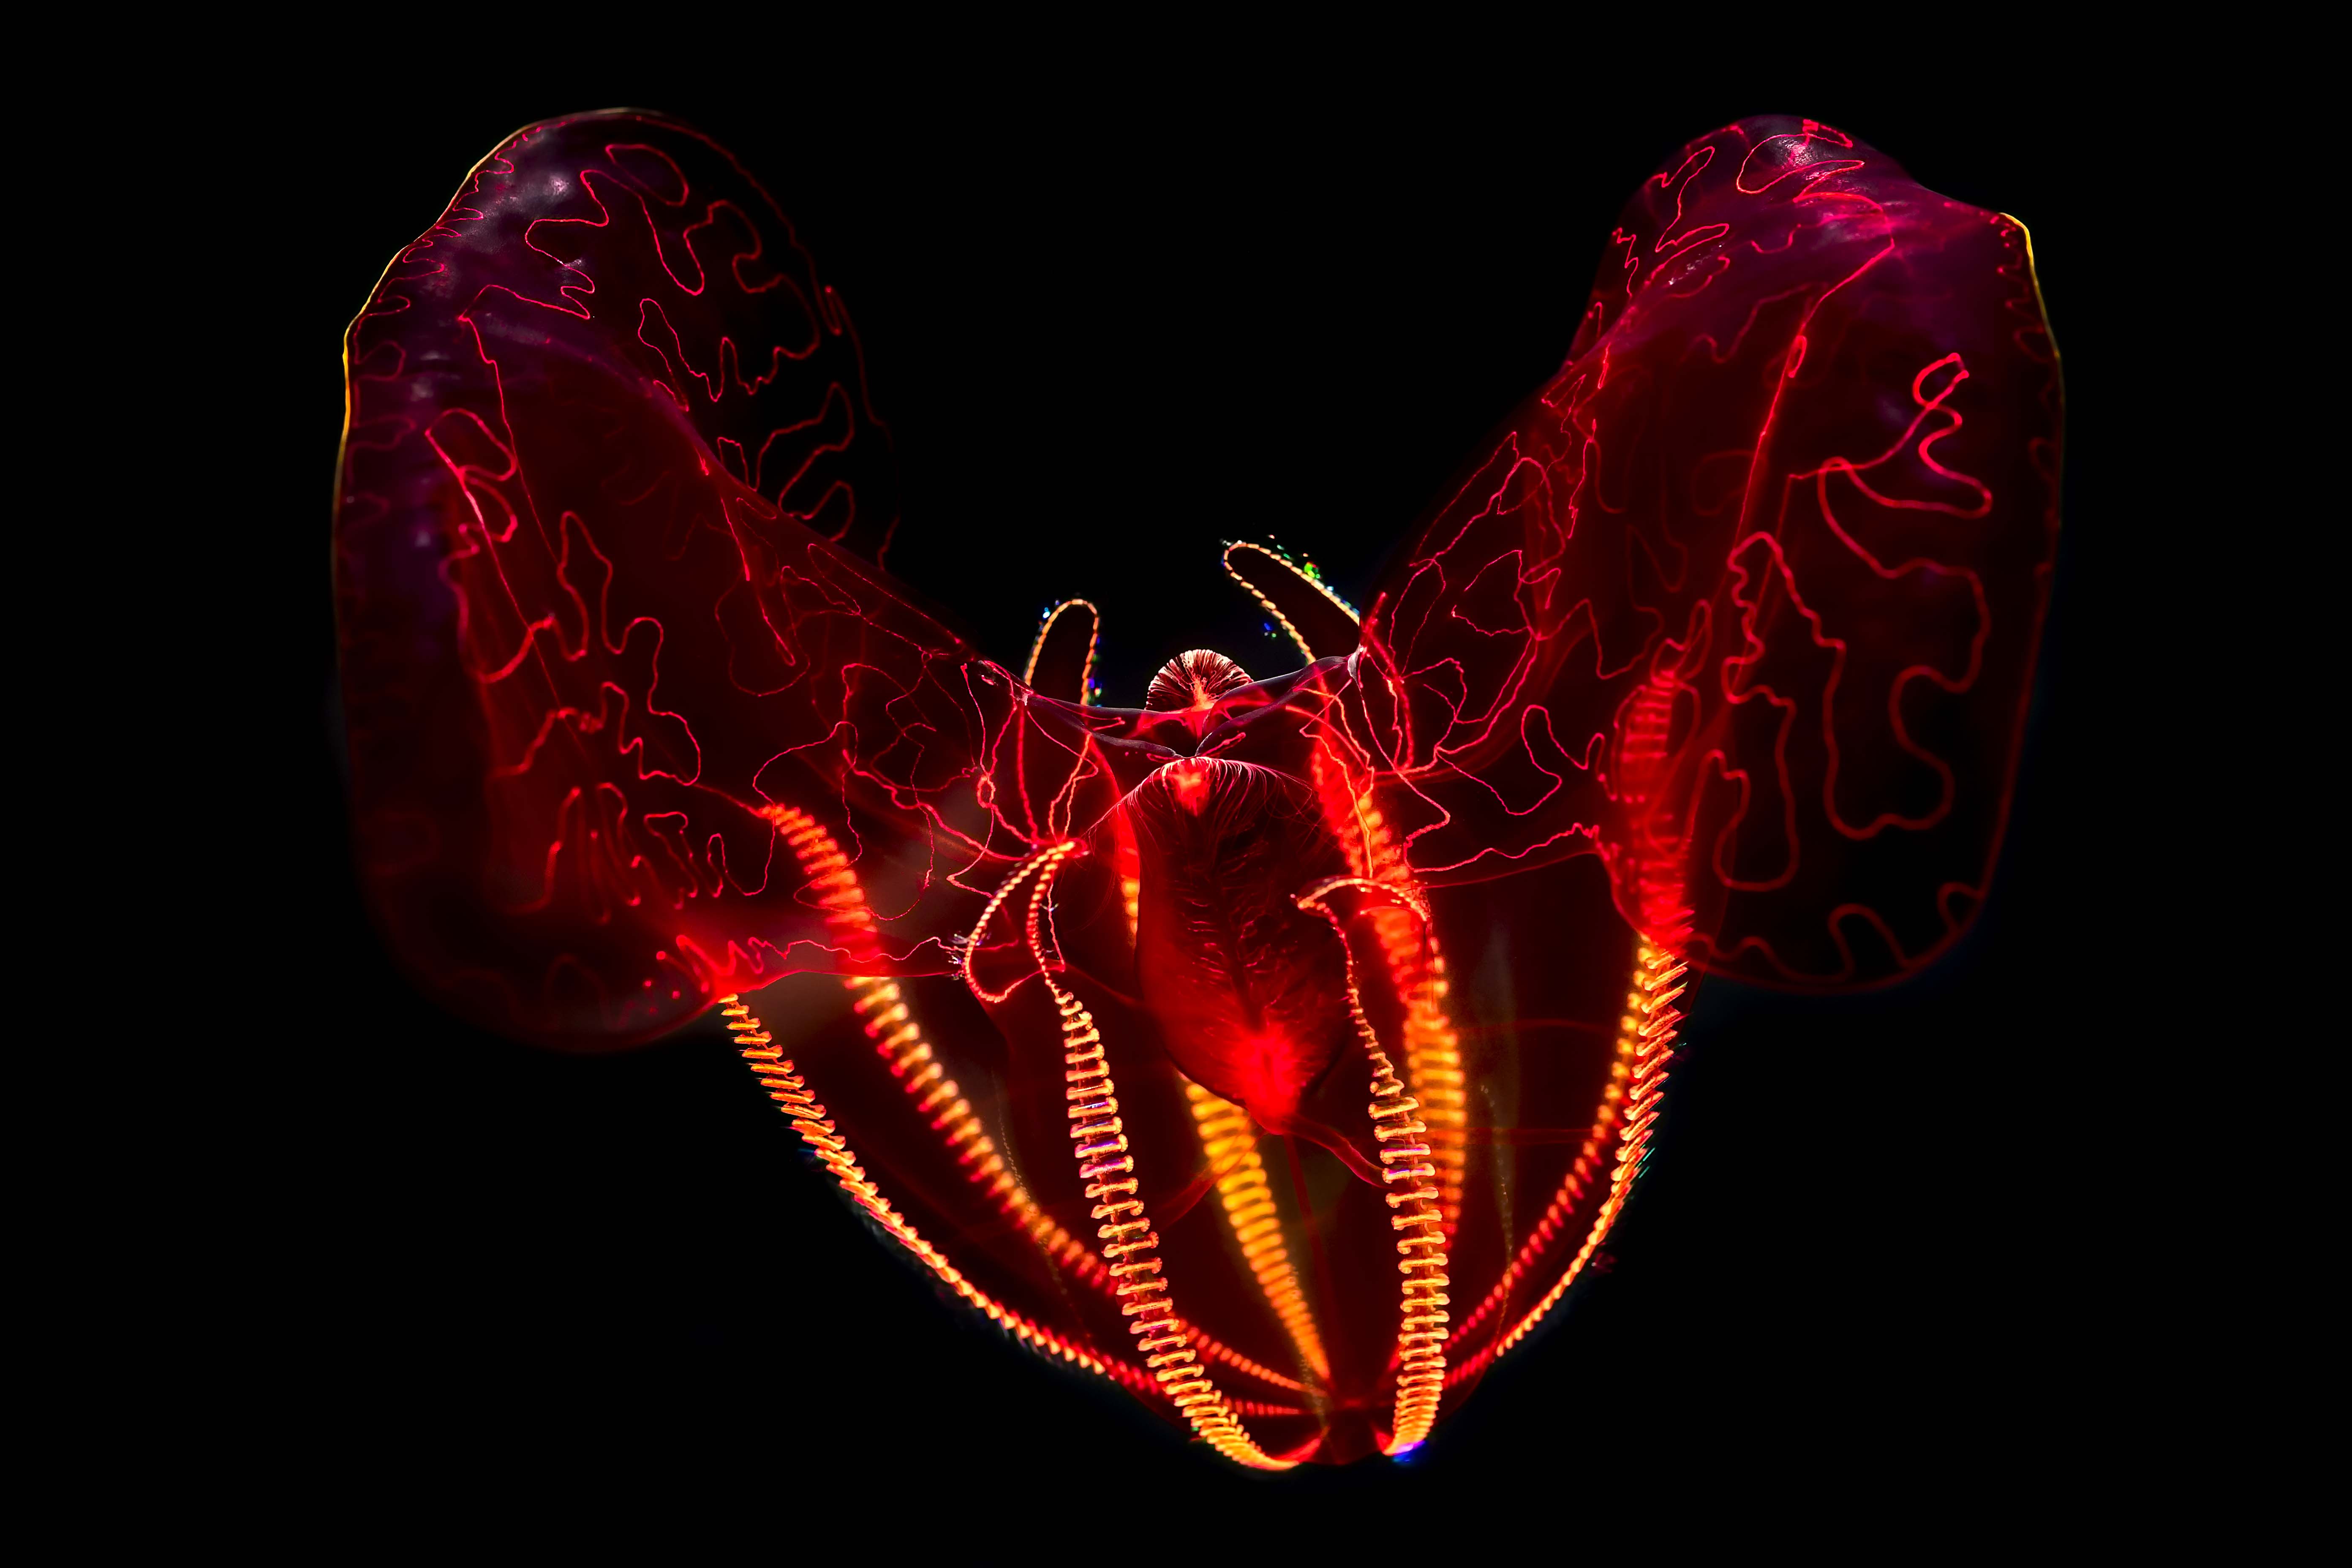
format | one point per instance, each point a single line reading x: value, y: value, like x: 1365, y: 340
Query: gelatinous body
x: 1283, y: 1047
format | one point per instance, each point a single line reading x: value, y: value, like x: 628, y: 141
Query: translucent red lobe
x: 1285, y: 1049
x: 609, y: 488
x: 1798, y: 480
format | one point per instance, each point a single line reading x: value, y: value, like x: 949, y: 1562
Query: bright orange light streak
x: 1306, y: 572
x: 1420, y: 1246
x: 889, y: 1023
x: 1415, y: 1216
x: 1046, y: 626
x: 1250, y: 1208
x: 1432, y: 1051
x: 1231, y: 1145
x: 1645, y: 1037
x: 1130, y: 1244
x: 1433, y: 1143
x: 792, y: 1096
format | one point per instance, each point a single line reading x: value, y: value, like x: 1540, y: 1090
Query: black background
x: 1111, y: 324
